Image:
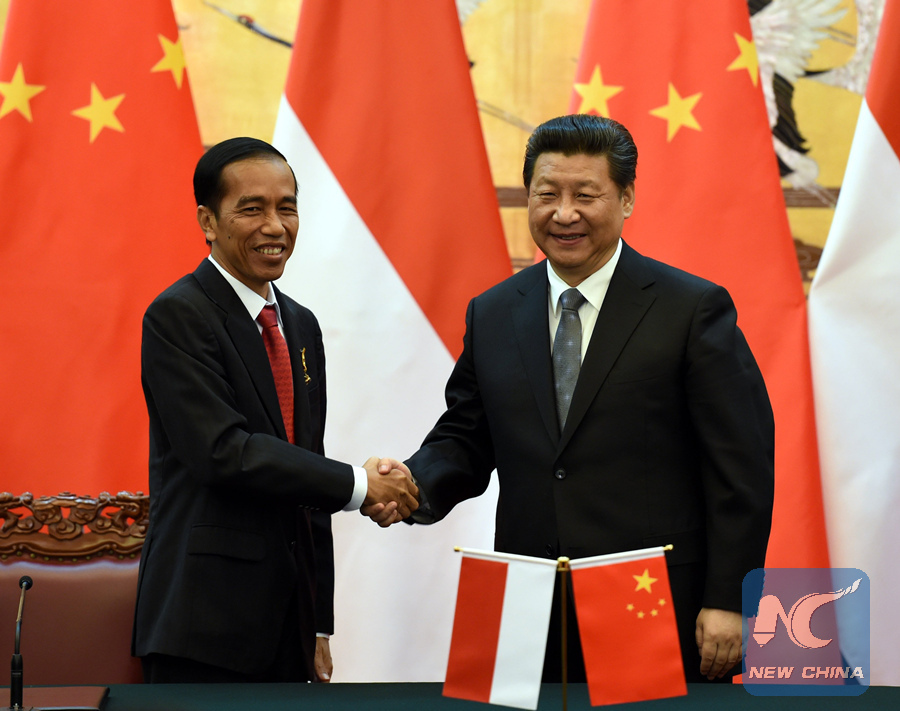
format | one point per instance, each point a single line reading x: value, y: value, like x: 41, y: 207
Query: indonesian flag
x: 500, y: 628
x: 683, y: 77
x: 98, y: 142
x: 854, y: 306
x: 399, y: 228
x: 627, y: 625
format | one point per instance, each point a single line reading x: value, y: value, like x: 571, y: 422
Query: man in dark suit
x: 665, y: 436
x: 237, y: 572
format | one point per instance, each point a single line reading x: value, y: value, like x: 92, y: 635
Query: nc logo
x: 797, y: 621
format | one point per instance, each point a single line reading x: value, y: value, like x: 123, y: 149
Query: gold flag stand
x: 562, y: 567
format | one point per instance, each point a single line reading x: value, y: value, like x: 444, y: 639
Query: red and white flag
x: 684, y: 78
x: 500, y: 628
x: 399, y: 228
x: 626, y: 620
x: 854, y: 308
x: 98, y: 142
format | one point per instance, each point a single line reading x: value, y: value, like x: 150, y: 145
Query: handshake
x: 392, y: 495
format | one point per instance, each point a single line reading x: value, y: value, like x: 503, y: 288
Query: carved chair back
x: 82, y: 554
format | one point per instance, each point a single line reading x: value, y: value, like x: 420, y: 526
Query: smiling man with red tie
x: 237, y: 572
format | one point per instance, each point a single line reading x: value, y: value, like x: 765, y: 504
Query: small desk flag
x: 500, y: 629
x: 627, y: 624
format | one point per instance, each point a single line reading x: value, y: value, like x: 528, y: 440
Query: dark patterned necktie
x: 567, y: 352
x: 280, y: 361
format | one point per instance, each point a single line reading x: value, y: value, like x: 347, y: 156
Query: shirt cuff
x: 360, y: 489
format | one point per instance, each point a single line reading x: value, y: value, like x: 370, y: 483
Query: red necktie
x: 280, y: 361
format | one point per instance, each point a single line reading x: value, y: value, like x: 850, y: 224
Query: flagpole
x: 563, y: 568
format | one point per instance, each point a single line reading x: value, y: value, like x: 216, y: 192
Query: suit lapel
x: 299, y: 342
x: 625, y: 304
x: 245, y: 338
x: 532, y: 328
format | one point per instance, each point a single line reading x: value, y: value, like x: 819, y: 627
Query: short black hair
x: 208, y: 187
x: 587, y: 134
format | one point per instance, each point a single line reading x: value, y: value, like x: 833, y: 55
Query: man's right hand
x: 391, y: 496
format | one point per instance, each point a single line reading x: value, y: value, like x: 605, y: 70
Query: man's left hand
x: 323, y: 664
x: 718, y: 640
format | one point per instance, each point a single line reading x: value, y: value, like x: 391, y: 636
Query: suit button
x: 560, y: 473
x: 550, y: 551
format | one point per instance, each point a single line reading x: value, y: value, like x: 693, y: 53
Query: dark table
x: 425, y: 697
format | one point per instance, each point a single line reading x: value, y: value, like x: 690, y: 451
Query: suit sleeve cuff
x: 360, y: 489
x: 423, y: 514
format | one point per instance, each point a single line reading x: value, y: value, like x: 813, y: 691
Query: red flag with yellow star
x: 627, y: 625
x: 685, y: 81
x: 99, y: 140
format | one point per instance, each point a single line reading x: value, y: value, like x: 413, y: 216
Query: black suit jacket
x: 669, y: 439
x: 239, y: 517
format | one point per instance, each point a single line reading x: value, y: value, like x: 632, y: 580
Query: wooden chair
x: 82, y: 554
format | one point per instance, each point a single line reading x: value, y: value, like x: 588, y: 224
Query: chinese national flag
x: 683, y: 77
x: 627, y: 625
x: 99, y: 141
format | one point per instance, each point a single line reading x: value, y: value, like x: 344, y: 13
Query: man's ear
x: 628, y: 200
x: 207, y: 220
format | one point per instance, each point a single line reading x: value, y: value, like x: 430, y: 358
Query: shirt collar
x: 252, y: 301
x: 593, y: 289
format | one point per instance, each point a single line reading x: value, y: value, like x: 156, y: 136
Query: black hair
x: 587, y: 134
x: 208, y: 186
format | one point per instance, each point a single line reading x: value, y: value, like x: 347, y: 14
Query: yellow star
x: 629, y: 607
x: 595, y: 93
x: 644, y: 581
x: 747, y: 59
x: 101, y: 112
x: 678, y: 112
x: 654, y: 613
x: 640, y: 615
x: 661, y: 601
x: 173, y: 59
x: 17, y: 94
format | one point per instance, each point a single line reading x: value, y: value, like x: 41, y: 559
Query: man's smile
x: 567, y: 237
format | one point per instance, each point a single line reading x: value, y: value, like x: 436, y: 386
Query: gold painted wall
x: 525, y: 54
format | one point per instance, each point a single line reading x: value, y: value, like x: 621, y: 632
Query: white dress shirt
x: 593, y: 289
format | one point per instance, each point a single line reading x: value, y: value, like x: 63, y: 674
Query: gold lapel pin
x: 306, y: 377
